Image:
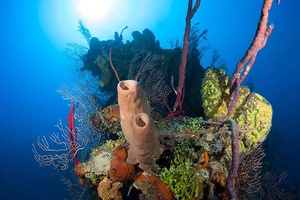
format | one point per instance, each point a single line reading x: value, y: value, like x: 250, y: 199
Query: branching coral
x: 58, y: 147
x: 151, y: 78
x: 249, y: 173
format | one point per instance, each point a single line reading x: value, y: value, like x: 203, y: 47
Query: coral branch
x: 235, y: 158
x: 260, y: 39
x: 72, y: 133
x: 57, y: 149
x: 112, y: 65
x: 180, y: 87
x: 248, y: 181
x: 151, y: 79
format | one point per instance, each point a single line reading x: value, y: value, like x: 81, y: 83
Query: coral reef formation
x: 133, y: 153
x: 108, y: 190
x: 194, y: 162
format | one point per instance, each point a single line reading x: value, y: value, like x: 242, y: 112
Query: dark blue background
x: 32, y: 67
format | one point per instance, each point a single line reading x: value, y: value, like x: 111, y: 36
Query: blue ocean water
x: 35, y: 33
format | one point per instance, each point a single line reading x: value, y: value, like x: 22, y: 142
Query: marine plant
x: 193, y: 125
x: 181, y: 178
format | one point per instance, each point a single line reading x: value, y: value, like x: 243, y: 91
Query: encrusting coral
x: 152, y: 186
x: 112, y: 113
x: 80, y: 171
x: 99, y: 164
x: 109, y: 190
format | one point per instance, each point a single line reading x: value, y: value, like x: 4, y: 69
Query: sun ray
x: 94, y: 9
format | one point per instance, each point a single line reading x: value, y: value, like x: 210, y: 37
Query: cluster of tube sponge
x: 137, y: 125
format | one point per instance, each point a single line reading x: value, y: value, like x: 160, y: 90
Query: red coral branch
x: 263, y: 32
x: 72, y: 134
x: 180, y: 87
